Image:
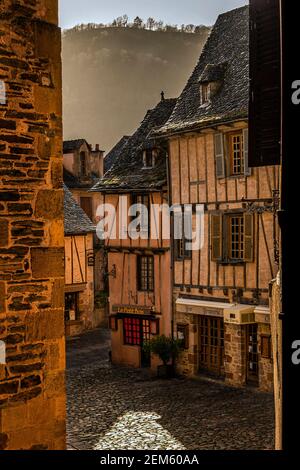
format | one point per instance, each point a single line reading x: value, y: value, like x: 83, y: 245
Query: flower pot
x: 165, y: 372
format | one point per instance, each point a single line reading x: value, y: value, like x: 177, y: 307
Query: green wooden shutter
x: 247, y: 170
x: 248, y: 237
x: 219, y: 155
x: 216, y: 237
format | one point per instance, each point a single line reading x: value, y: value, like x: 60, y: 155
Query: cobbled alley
x: 119, y: 408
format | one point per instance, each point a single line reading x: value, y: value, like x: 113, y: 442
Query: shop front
x: 231, y: 342
x: 131, y: 327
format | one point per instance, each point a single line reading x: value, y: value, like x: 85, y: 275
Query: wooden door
x: 211, y: 345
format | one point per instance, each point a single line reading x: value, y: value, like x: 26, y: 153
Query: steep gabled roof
x: 225, y: 57
x: 76, y: 222
x: 70, y: 146
x: 128, y: 172
x: 115, y: 153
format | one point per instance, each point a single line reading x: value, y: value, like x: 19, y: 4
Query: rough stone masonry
x: 32, y: 381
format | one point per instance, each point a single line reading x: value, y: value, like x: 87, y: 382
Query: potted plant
x: 167, y: 349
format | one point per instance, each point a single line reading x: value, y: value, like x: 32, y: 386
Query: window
x: 236, y: 153
x: 148, y: 158
x: 132, y: 331
x: 231, y: 154
x: 144, y: 200
x: 145, y: 272
x: 180, y: 245
x: 232, y: 237
x: 83, y: 164
x: 180, y: 250
x: 136, y: 331
x: 236, y: 237
x: 204, y: 93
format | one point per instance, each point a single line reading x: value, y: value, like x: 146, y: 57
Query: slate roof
x: 74, y: 182
x: 76, y: 222
x: 115, y: 153
x: 70, y: 146
x: 128, y: 172
x: 226, y: 53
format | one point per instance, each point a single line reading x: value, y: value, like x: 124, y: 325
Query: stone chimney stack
x: 97, y: 147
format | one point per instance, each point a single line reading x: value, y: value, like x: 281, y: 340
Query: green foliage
x: 166, y: 348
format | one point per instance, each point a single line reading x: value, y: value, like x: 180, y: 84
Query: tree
x: 125, y: 21
x: 159, y: 25
x: 150, y: 23
x: 138, y: 22
x: 190, y: 28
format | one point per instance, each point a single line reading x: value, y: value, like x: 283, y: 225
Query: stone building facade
x: 32, y: 376
x: 221, y: 291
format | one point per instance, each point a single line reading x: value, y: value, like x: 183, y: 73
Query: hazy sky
x: 170, y: 11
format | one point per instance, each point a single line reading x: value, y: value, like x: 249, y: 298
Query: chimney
x: 162, y: 96
x: 97, y: 148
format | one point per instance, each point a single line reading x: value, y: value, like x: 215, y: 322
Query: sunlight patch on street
x: 137, y: 430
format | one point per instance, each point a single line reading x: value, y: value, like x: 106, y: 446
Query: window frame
x: 221, y: 242
x: 150, y: 281
x: 135, y: 200
x: 205, y: 93
x: 180, y: 251
x: 231, y: 157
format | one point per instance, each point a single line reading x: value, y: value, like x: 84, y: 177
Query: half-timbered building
x: 79, y: 267
x: 221, y: 291
x: 138, y: 269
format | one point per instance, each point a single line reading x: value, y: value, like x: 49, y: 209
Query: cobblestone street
x: 111, y: 407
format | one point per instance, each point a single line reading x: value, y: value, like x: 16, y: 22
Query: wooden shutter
x: 219, y: 155
x: 248, y: 237
x: 247, y: 170
x: 216, y: 237
x: 265, y: 83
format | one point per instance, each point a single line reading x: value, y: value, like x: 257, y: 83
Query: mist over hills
x: 112, y: 75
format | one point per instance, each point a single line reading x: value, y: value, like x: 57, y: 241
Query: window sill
x: 231, y: 262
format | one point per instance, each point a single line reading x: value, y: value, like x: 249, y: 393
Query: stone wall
x: 235, y: 354
x: 276, y: 328
x: 32, y: 382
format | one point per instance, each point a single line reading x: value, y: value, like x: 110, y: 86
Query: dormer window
x: 211, y: 81
x: 149, y: 158
x: 205, y: 93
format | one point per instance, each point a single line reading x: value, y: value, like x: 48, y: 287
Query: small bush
x: 166, y: 348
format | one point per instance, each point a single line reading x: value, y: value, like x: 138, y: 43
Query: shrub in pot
x: 167, y: 349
